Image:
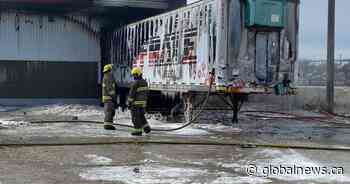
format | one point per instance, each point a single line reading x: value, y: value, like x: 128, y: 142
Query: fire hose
x: 242, y: 144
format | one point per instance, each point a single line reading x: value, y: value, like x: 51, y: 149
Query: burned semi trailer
x: 231, y: 48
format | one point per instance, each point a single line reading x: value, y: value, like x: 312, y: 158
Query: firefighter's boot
x: 137, y: 132
x: 108, y: 126
x: 147, y: 129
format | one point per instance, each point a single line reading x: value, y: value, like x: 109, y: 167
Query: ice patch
x: 142, y: 174
x: 238, y: 180
x: 182, y: 161
x: 70, y: 110
x: 13, y: 123
x: 231, y: 165
x: 95, y: 159
x: 185, y: 131
x: 190, y: 131
x: 290, y: 159
x: 7, y: 109
x: 220, y: 128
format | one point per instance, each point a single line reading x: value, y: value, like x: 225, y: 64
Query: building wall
x: 45, y: 56
x: 46, y: 38
x: 41, y: 79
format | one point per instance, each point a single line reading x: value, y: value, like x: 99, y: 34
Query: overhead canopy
x: 46, y: 5
x: 154, y: 4
x: 111, y: 11
x: 45, y: 1
x: 91, y: 4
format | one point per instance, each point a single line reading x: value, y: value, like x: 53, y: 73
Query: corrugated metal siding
x: 37, y: 79
x: 156, y: 4
x: 48, y: 38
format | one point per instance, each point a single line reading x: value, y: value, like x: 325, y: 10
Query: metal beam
x: 330, y: 55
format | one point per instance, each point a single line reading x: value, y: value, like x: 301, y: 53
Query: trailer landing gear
x: 188, y: 99
x: 237, y: 101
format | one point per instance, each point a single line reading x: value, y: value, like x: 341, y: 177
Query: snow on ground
x: 68, y: 110
x: 95, y: 113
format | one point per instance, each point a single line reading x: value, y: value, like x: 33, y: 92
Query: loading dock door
x: 29, y: 79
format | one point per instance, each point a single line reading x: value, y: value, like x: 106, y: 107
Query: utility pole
x: 330, y: 55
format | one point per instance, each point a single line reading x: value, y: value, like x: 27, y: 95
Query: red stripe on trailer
x: 188, y: 61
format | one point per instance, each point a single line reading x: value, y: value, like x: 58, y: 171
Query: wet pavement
x: 135, y: 163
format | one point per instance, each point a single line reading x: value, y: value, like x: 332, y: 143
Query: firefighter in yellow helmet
x: 137, y: 103
x: 108, y: 97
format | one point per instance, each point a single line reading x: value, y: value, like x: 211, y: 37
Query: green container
x: 266, y: 13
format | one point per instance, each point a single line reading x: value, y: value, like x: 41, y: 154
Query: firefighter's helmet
x: 107, y: 68
x: 136, y: 72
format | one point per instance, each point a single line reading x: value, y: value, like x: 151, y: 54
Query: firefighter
x: 137, y: 103
x: 108, y: 97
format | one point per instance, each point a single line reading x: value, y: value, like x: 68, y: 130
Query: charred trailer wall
x: 178, y: 49
x: 48, y: 56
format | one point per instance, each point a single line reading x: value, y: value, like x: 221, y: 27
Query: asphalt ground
x: 37, y: 153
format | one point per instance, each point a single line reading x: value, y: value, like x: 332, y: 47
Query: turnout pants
x: 109, y: 110
x: 138, y: 118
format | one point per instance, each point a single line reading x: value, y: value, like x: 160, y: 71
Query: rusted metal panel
x: 48, y: 38
x: 181, y: 47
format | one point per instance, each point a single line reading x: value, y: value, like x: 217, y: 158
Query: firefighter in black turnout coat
x: 137, y: 103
